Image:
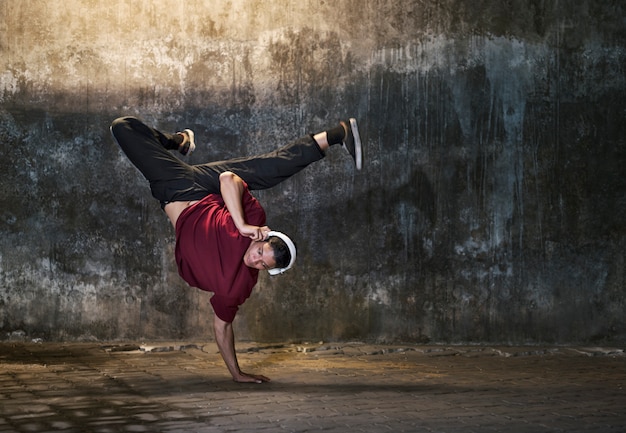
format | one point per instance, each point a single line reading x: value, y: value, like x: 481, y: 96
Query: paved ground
x: 321, y: 387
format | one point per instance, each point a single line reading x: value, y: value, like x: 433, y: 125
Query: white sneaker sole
x: 192, y: 141
x: 358, y: 150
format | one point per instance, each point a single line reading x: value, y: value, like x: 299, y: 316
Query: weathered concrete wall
x: 491, y: 207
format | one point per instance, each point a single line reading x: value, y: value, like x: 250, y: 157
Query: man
x: 221, y: 238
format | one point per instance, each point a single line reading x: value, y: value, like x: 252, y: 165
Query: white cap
x: 292, y: 252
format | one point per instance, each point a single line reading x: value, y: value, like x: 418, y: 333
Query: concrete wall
x: 491, y: 207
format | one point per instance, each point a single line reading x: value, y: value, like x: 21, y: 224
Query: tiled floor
x: 348, y: 387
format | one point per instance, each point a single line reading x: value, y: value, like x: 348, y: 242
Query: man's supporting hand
x: 251, y: 378
x: 225, y: 338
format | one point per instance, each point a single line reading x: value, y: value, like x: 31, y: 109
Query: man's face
x: 259, y: 256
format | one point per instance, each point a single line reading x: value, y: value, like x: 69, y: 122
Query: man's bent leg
x: 147, y: 148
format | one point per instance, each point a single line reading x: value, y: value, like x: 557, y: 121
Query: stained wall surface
x: 491, y: 207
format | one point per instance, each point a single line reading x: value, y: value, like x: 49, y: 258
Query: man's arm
x: 225, y: 338
x: 231, y: 189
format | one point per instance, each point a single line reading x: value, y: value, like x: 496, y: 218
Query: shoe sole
x: 191, y: 146
x: 358, y: 150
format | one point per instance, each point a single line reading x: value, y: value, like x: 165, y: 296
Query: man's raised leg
x: 269, y: 169
x: 147, y: 148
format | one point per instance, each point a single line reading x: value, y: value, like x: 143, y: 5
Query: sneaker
x: 352, y: 141
x: 190, y: 145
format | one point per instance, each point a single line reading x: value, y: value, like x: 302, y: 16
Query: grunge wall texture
x: 491, y: 207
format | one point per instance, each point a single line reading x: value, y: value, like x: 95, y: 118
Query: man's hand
x: 225, y: 338
x: 251, y: 378
x: 255, y: 233
x: 231, y: 189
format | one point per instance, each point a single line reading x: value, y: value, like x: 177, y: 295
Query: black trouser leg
x: 265, y: 170
x: 174, y: 180
x: 170, y: 178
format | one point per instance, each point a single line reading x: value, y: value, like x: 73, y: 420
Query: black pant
x: 174, y: 180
